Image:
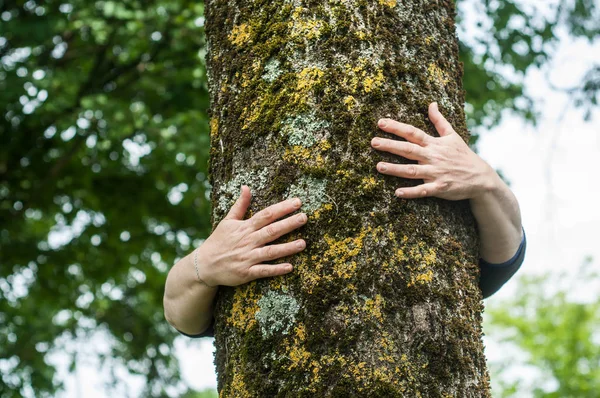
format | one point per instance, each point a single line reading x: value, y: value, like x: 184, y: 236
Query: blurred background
x: 103, y: 186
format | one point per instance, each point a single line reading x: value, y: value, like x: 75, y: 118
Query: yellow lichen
x: 308, y: 78
x: 326, y: 207
x: 389, y: 3
x: 422, y: 260
x: 344, y: 173
x: 214, y: 127
x: 300, y: 154
x: 341, y: 252
x: 437, y: 75
x: 368, y: 183
x: 297, y: 153
x: 350, y: 102
x: 244, y: 308
x: 238, y: 387
x: 256, y: 65
x: 300, y: 331
x: 372, y: 82
x: 304, y: 28
x: 373, y: 307
x: 360, y: 76
x: 297, y: 355
x: 400, y: 255
x: 421, y: 278
x: 241, y: 34
x: 360, y: 34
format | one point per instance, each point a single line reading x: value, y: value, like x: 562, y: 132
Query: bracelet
x: 198, y: 273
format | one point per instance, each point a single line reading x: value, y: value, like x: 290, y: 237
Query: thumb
x: 440, y: 123
x: 239, y: 208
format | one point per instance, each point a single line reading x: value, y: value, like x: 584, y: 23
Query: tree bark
x: 384, y: 301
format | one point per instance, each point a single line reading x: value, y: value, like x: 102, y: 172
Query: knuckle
x: 267, y: 214
x: 270, y: 252
x: 243, y: 274
x: 412, y: 171
x: 243, y: 257
x: 271, y: 230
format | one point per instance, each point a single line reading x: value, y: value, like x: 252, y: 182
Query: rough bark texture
x: 384, y: 301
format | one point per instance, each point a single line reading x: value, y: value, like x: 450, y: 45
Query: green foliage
x: 103, y: 161
x: 104, y: 147
x: 208, y: 393
x: 557, y: 331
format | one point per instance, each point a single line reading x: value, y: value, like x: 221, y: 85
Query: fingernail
x: 301, y: 244
x: 302, y: 218
x: 375, y: 142
x: 399, y: 193
x: 382, y: 167
x: 382, y: 122
x: 296, y: 202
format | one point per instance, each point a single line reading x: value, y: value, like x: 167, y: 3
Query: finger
x: 272, y: 252
x: 268, y: 270
x: 274, y: 212
x: 405, y: 170
x: 280, y: 228
x: 420, y: 191
x: 239, y: 208
x: 442, y: 126
x: 401, y: 148
x: 406, y: 131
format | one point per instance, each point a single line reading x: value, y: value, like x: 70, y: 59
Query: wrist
x: 490, y: 186
x: 201, y: 270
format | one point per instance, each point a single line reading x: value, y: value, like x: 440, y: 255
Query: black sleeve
x: 210, y: 332
x: 494, y: 276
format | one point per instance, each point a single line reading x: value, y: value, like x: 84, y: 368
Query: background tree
x: 103, y: 151
x: 552, y: 328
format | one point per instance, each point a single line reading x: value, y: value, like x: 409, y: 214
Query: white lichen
x: 277, y: 313
x: 229, y: 192
x: 304, y: 129
x: 272, y: 70
x: 311, y: 191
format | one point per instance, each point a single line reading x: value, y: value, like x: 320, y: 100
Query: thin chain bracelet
x: 196, y: 267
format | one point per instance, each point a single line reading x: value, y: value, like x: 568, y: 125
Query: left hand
x: 449, y: 168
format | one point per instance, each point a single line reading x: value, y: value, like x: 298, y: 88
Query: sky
x: 553, y: 170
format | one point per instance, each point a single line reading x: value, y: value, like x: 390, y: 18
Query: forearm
x: 188, y: 304
x: 498, y: 217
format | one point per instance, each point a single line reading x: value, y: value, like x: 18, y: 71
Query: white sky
x: 553, y: 169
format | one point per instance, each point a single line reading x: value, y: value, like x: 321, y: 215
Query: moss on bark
x: 384, y: 300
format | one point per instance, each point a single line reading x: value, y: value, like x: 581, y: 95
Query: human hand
x: 234, y: 253
x: 449, y: 168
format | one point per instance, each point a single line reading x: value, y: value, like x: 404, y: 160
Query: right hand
x: 235, y: 252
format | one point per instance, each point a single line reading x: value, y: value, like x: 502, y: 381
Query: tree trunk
x: 384, y: 301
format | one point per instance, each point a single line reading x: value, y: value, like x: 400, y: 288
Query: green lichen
x: 277, y: 313
x: 228, y: 192
x: 311, y: 191
x: 304, y: 129
x: 272, y: 70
